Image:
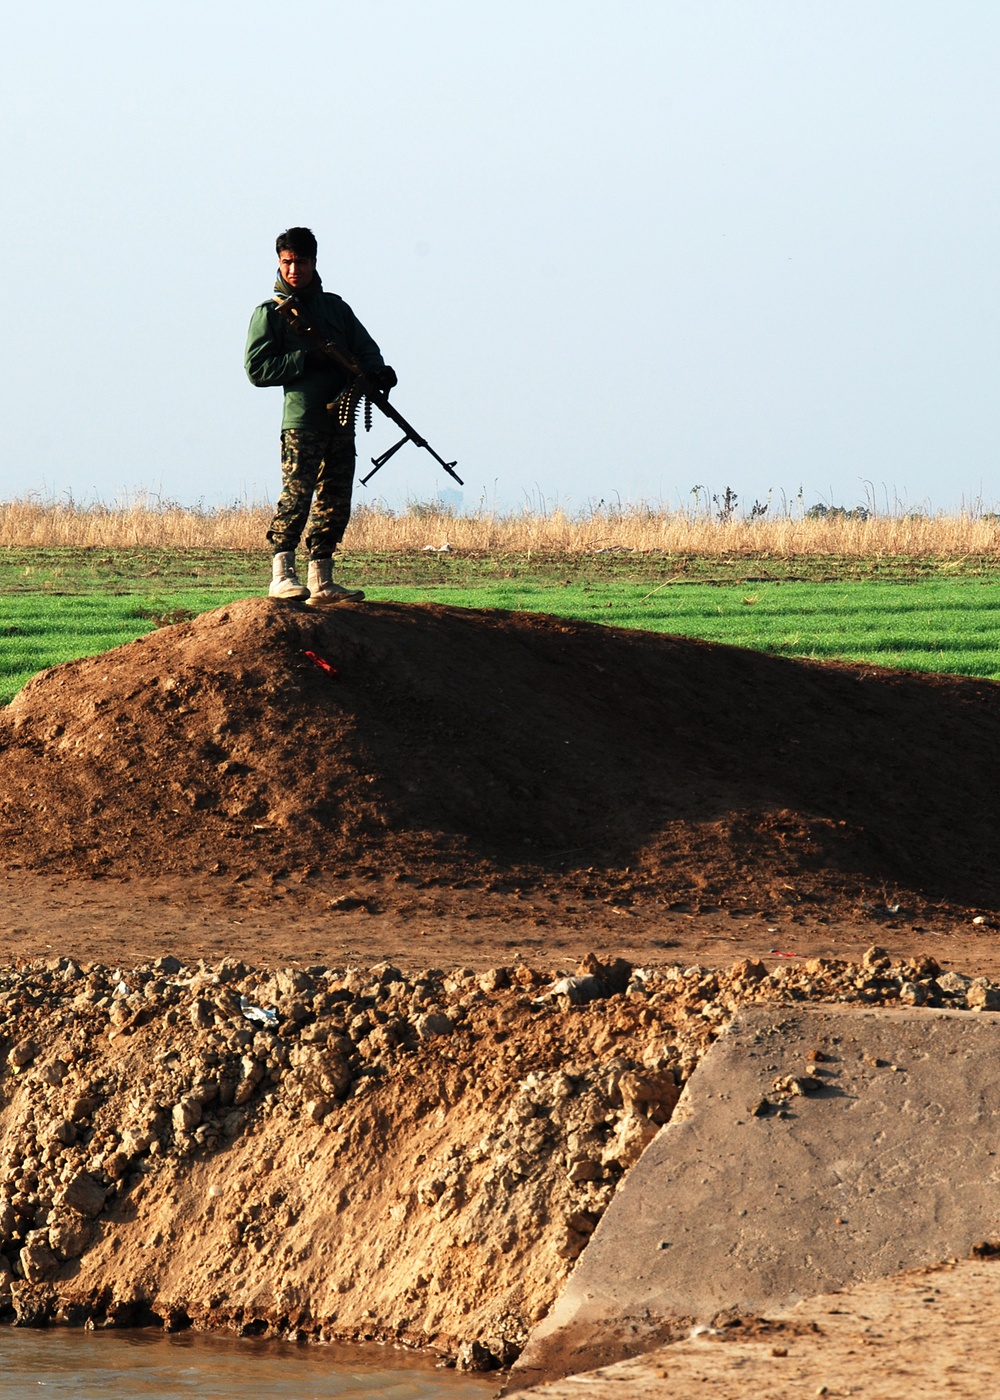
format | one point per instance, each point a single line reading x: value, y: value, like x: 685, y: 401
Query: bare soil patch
x: 283, y: 921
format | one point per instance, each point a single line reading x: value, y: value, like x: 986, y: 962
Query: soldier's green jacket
x: 276, y: 354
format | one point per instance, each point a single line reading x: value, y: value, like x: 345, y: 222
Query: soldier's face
x: 296, y: 269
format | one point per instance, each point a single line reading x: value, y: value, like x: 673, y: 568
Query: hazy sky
x: 611, y: 252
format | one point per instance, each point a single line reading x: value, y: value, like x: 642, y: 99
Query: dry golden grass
x: 40, y: 524
x: 28, y: 524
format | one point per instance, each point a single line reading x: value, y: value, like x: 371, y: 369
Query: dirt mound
x: 357, y: 1169
x: 494, y: 750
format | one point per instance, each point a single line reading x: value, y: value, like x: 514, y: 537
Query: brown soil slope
x: 473, y: 747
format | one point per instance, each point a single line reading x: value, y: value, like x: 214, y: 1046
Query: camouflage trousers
x: 317, y: 476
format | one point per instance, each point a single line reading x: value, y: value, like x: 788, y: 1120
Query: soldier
x: 317, y: 454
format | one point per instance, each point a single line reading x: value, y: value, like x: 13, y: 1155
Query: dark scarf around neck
x: 282, y: 288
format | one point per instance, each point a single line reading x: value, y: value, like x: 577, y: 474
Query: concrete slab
x: 890, y: 1163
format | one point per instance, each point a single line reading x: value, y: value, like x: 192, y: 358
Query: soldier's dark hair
x: 296, y: 240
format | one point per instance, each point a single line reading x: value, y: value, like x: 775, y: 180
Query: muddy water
x: 152, y: 1366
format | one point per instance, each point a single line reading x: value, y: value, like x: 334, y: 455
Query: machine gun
x: 360, y: 387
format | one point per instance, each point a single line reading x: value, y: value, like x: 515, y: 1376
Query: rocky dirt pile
x: 349, y: 1153
x: 494, y: 750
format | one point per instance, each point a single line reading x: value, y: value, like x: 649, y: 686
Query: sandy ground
x: 932, y: 1332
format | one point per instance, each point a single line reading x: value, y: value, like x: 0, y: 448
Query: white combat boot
x: 323, y: 592
x: 284, y: 583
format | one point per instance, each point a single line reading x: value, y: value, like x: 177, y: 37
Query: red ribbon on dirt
x: 323, y: 665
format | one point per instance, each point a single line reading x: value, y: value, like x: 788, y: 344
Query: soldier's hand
x: 385, y: 378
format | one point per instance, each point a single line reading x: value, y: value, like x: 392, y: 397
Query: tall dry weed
x: 31, y: 523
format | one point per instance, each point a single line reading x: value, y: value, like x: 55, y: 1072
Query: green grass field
x: 936, y: 626
x: 58, y: 605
